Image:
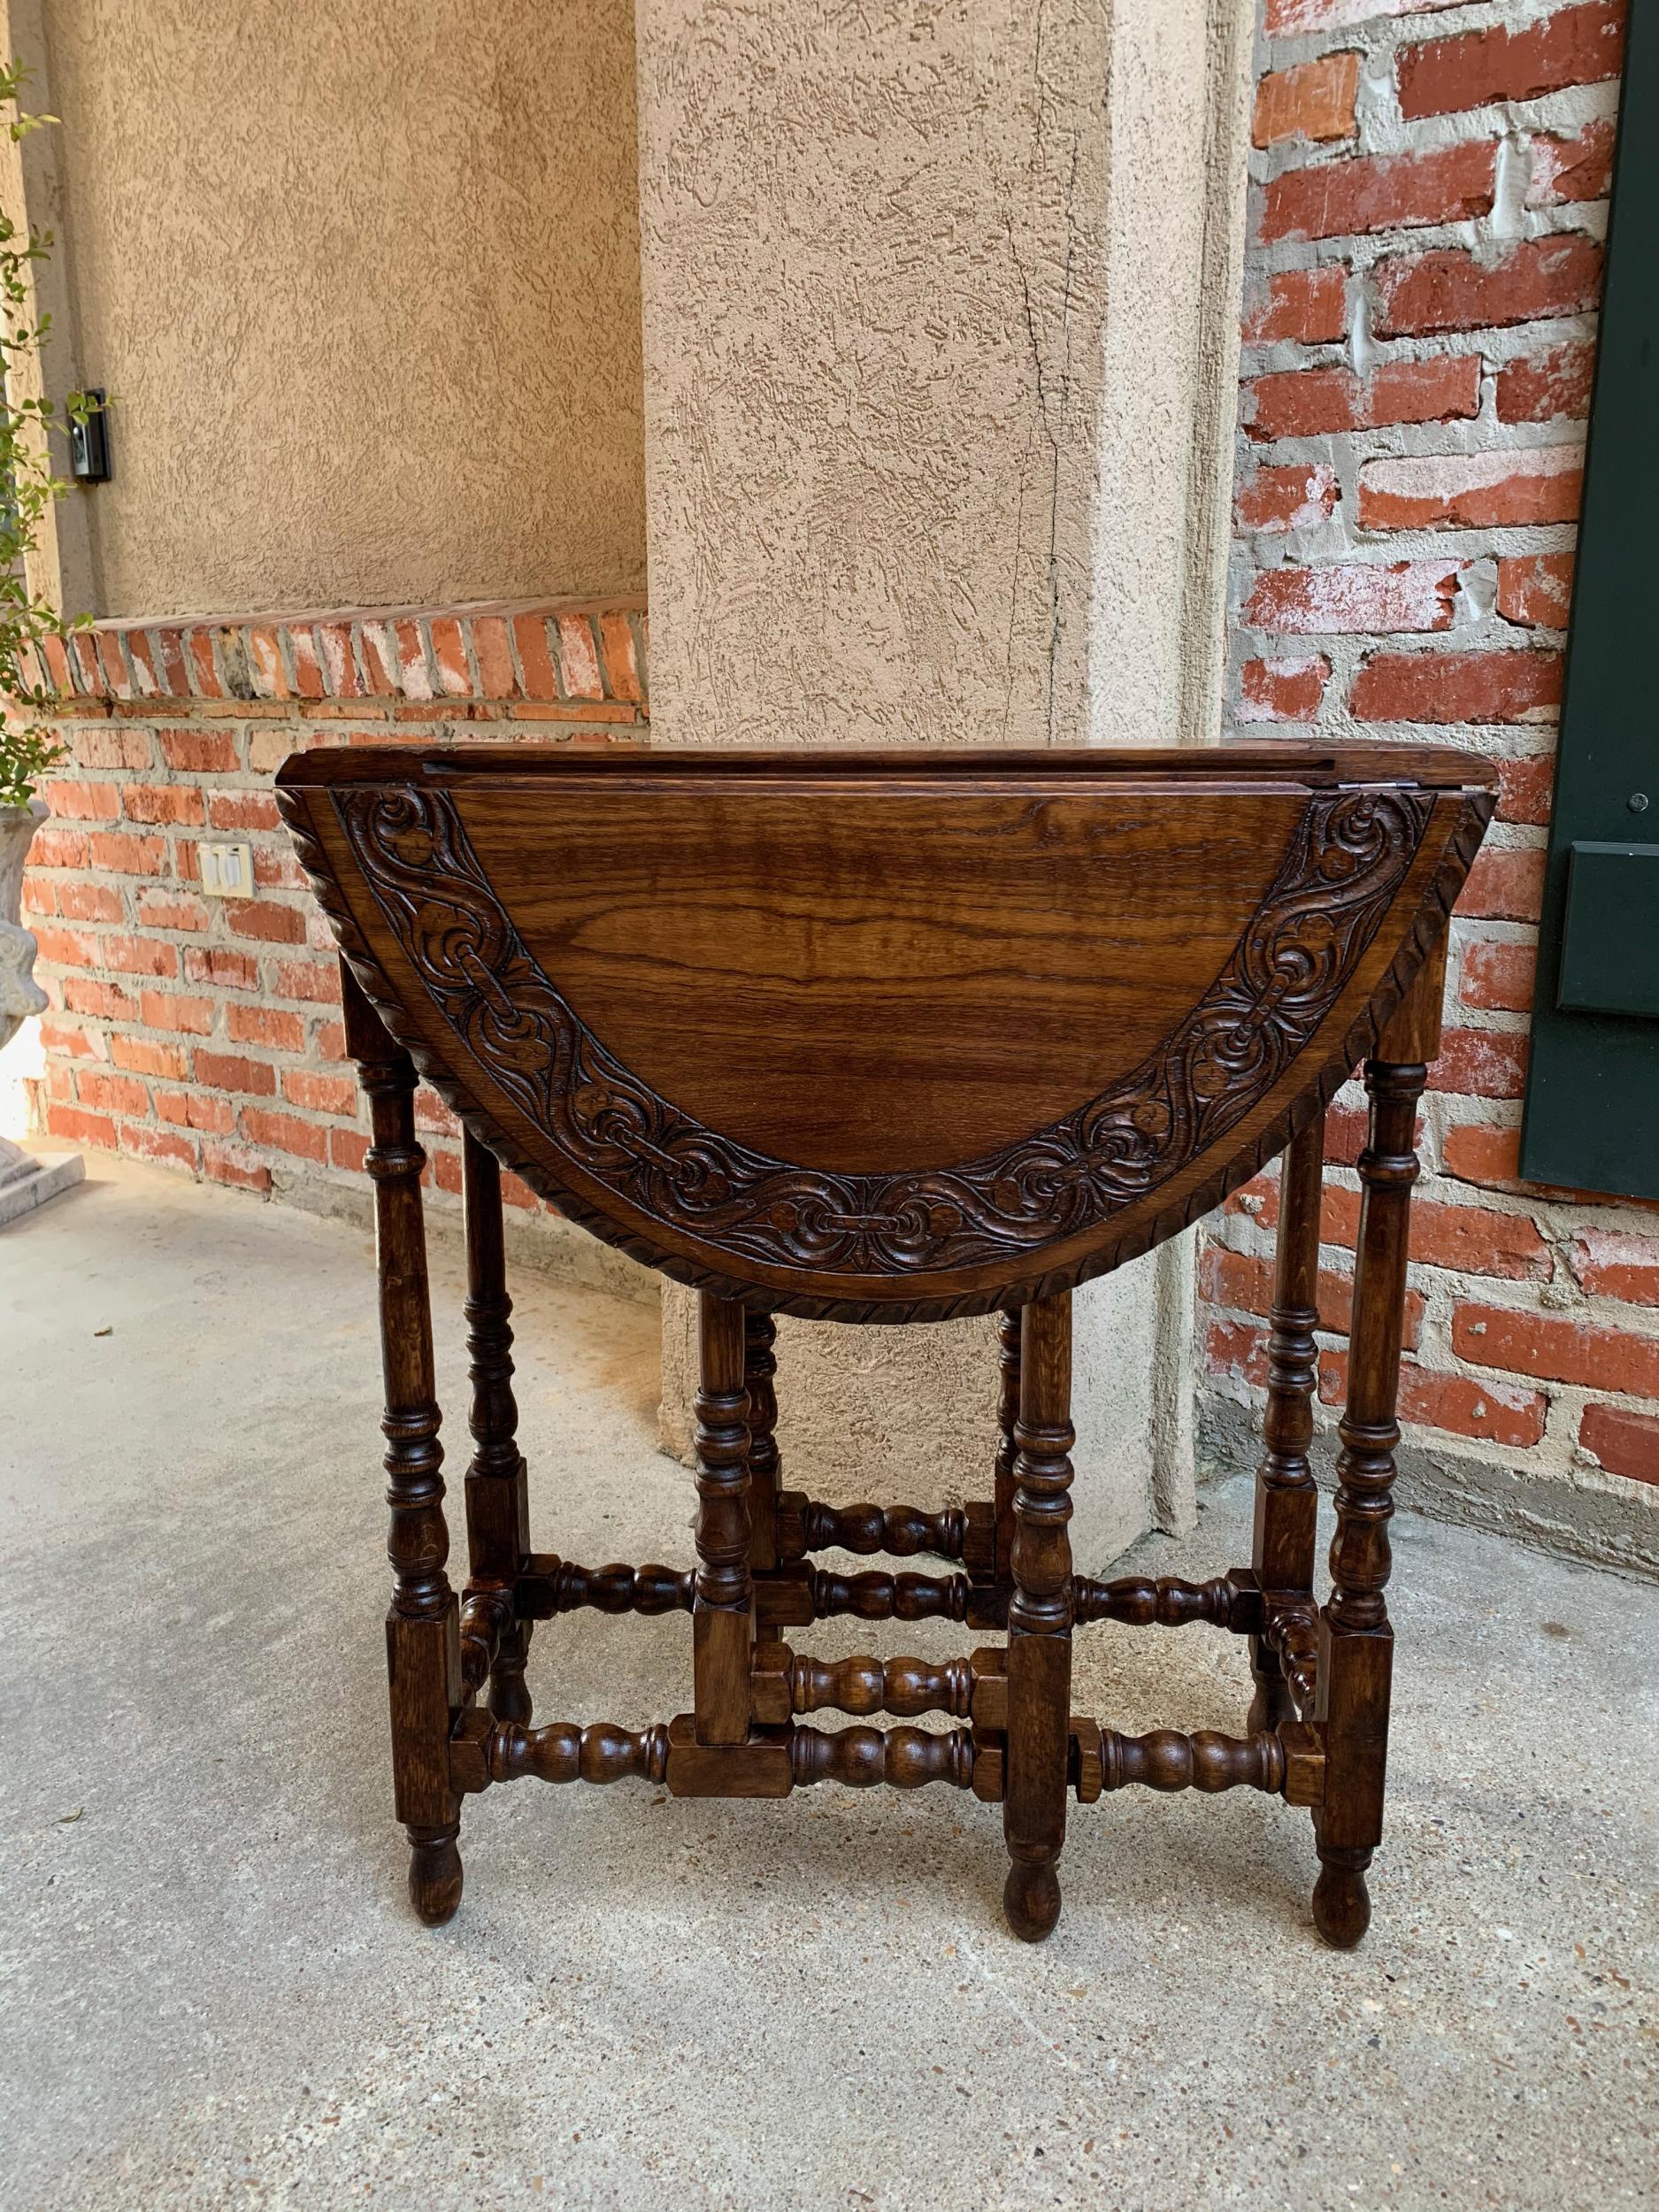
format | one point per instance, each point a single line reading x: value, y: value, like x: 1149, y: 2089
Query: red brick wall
x: 1423, y: 269
x: 204, y: 1033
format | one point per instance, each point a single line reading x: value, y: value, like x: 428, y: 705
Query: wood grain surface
x: 888, y: 1036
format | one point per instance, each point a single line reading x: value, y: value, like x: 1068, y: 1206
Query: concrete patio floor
x: 216, y: 1995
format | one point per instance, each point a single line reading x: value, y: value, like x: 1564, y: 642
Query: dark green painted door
x: 1593, y: 1088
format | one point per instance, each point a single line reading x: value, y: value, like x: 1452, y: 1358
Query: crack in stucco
x: 1203, y: 623
x: 1047, y: 399
x: 1013, y: 581
x: 1048, y: 431
x: 1069, y: 215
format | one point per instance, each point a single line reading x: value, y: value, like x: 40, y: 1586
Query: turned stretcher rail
x: 863, y: 1758
x: 1168, y: 1759
x: 804, y: 1526
x: 550, y: 1586
x: 1164, y: 1601
x: 880, y: 1596
x: 562, y: 1752
x: 865, y: 1685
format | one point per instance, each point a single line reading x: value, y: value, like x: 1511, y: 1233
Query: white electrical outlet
x: 226, y: 871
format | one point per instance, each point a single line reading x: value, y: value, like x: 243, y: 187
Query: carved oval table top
x: 885, y: 1035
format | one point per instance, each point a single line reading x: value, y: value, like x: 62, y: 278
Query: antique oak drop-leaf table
x: 891, y: 1037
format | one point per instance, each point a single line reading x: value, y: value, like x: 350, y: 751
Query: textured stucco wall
x: 940, y: 305
x: 363, y: 283
x: 894, y: 496
x: 872, y: 263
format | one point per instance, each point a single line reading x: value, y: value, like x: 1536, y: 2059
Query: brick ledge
x: 582, y: 653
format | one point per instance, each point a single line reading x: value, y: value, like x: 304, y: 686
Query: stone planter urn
x: 26, y: 1180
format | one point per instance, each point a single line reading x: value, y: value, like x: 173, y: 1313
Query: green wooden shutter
x: 1593, y: 1087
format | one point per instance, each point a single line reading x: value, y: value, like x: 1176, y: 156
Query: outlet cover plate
x: 226, y: 871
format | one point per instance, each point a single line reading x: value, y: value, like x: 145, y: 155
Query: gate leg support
x: 723, y: 1613
x: 1287, y: 1500
x: 423, y: 1629
x: 1008, y: 1333
x: 1040, y: 1622
x: 760, y: 1368
x: 1356, y: 1661
x: 497, y: 1486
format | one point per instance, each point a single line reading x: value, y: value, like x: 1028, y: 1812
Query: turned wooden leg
x: 760, y: 1367
x: 723, y: 1612
x: 423, y: 1645
x: 497, y: 1489
x: 1356, y: 1641
x: 1286, y: 1499
x: 1040, y: 1622
x: 1008, y: 1331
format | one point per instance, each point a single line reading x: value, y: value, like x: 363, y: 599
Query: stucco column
x: 935, y: 437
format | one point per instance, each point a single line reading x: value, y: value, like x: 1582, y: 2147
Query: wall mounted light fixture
x: 89, y: 439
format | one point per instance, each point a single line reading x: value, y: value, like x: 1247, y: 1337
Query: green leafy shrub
x: 28, y: 741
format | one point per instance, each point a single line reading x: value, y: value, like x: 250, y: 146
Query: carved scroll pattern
x: 1350, y: 852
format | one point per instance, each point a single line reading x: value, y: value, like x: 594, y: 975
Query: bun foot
x: 1341, y: 1903
x: 1030, y: 1899
x: 435, y: 1873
